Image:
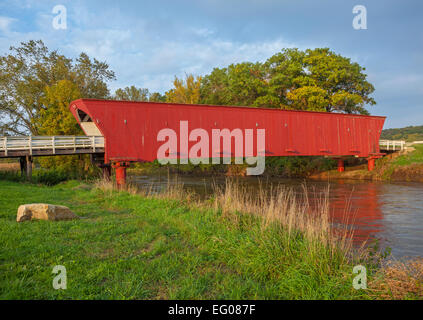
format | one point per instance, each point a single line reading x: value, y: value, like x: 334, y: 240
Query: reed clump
x: 282, y: 207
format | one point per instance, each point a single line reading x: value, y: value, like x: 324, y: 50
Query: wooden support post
x: 5, y: 145
x: 22, y: 164
x: 29, y: 168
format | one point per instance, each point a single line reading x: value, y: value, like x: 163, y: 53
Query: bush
x: 297, y: 167
x: 50, y: 177
x: 47, y: 177
x: 11, y: 176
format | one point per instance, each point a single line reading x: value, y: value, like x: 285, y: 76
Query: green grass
x: 410, y: 165
x: 130, y: 247
x: 413, y: 157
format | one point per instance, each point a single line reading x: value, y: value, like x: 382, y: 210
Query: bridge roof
x: 117, y: 102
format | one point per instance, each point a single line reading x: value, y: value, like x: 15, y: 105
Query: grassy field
x: 132, y: 246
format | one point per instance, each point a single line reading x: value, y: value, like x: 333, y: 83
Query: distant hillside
x: 411, y: 133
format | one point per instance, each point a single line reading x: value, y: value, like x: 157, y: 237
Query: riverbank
x: 396, y: 167
x: 170, y: 246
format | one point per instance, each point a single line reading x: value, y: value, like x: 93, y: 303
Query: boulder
x: 44, y: 211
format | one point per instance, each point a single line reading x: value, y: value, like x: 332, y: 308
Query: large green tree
x: 238, y: 84
x: 314, y: 80
x: 29, y: 69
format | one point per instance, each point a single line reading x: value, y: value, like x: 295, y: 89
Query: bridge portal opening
x: 88, y: 125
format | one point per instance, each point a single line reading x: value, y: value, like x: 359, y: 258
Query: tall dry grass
x: 291, y: 211
x: 174, y: 189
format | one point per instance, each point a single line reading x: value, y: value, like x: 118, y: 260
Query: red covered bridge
x: 130, y: 130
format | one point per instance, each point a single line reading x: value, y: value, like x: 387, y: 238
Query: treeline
x: 311, y: 80
x: 410, y: 133
x: 37, y: 85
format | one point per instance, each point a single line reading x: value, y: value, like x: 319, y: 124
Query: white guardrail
x: 391, y: 145
x: 50, y: 143
x: 25, y: 143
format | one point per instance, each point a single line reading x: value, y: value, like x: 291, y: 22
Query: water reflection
x: 391, y: 213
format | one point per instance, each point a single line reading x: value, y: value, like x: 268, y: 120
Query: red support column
x: 370, y: 164
x: 341, y: 167
x: 120, y: 170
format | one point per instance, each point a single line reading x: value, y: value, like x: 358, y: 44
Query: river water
x: 392, y: 213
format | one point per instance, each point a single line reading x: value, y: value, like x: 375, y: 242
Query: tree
x: 310, y: 98
x: 132, y: 94
x: 27, y: 70
x: 284, y: 72
x: 314, y: 80
x: 55, y: 118
x: 91, y: 77
x: 238, y: 84
x: 185, y: 91
x: 345, y: 82
x: 157, y: 97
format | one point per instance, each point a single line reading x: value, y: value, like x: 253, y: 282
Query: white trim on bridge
x: 50, y: 145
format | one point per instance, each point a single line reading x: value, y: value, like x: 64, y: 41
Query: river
x: 392, y: 213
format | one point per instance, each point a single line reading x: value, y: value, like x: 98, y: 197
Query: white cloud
x: 5, y: 23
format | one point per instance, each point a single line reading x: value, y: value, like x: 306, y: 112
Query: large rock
x: 44, y: 211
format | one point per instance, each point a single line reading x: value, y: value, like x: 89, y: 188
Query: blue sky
x: 147, y: 43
